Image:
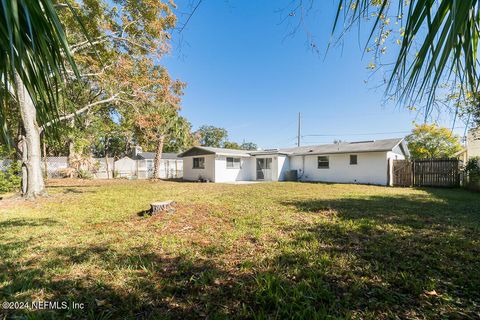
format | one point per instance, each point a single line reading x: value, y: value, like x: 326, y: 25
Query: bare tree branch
x: 79, y: 111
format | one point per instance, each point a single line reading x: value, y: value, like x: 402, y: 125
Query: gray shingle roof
x: 346, y: 147
x: 151, y: 155
x: 199, y: 150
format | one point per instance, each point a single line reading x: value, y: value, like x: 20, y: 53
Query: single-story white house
x: 368, y: 162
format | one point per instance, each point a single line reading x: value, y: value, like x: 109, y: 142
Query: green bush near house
x: 10, y: 179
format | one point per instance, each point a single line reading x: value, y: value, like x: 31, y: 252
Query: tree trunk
x: 158, y: 157
x: 71, y: 153
x: 31, y: 150
x: 71, y: 148
x: 45, y: 162
x: 107, y: 166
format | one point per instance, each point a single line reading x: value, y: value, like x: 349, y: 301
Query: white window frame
x: 356, y: 159
x: 201, y: 163
x: 234, y: 161
x: 327, y: 161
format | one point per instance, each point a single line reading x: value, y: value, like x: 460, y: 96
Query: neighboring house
x: 141, y: 165
x: 473, y: 143
x: 366, y: 162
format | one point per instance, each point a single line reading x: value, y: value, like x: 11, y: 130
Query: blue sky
x: 245, y: 74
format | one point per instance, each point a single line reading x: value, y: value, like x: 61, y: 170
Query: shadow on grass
x: 13, y: 223
x: 394, y: 255
x: 376, y: 257
x: 77, y: 190
x: 162, y: 287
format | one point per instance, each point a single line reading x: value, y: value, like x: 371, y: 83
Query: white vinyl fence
x: 122, y: 168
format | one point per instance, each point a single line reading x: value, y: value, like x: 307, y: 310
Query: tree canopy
x: 430, y: 141
x: 211, y: 136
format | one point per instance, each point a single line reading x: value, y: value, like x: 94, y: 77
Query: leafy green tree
x: 231, y: 145
x: 118, y: 65
x: 431, y: 141
x: 158, y: 124
x: 248, y: 146
x: 210, y: 136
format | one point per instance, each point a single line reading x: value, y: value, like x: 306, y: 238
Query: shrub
x: 473, y: 167
x: 84, y: 174
x: 66, y: 173
x: 10, y: 178
x: 473, y: 172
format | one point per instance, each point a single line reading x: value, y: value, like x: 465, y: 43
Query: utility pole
x: 299, y: 130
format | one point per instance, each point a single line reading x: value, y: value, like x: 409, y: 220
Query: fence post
x: 389, y: 172
x: 413, y: 173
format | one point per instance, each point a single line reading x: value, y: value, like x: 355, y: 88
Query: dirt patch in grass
x: 192, y: 221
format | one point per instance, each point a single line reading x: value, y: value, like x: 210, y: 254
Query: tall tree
x: 431, y: 141
x: 127, y: 38
x: 210, y: 136
x: 158, y: 125
x: 123, y: 35
x: 231, y: 145
x: 33, y: 58
x: 248, y: 146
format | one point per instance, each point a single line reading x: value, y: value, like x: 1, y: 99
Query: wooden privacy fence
x: 427, y: 173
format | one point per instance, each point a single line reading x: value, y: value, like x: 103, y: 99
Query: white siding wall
x: 473, y: 143
x: 224, y: 174
x: 395, y: 155
x: 371, y: 168
x: 191, y: 174
x: 283, y: 165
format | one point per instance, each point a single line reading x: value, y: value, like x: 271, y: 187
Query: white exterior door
x: 264, y: 169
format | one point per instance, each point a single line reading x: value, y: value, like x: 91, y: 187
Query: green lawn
x: 270, y: 250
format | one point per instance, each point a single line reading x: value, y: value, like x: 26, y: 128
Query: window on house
x: 233, y: 163
x: 353, y: 159
x: 323, y: 162
x: 199, y: 163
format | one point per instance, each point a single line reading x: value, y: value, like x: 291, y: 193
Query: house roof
x: 344, y: 147
x: 151, y: 155
x: 349, y: 147
x: 210, y: 150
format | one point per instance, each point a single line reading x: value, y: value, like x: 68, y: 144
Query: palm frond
x: 34, y: 46
x: 440, y: 41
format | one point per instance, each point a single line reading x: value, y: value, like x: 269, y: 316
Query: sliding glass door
x: 264, y: 169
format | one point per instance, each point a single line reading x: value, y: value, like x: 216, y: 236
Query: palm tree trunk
x: 31, y: 150
x: 158, y: 157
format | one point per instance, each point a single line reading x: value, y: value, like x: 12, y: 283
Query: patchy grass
x: 276, y: 250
